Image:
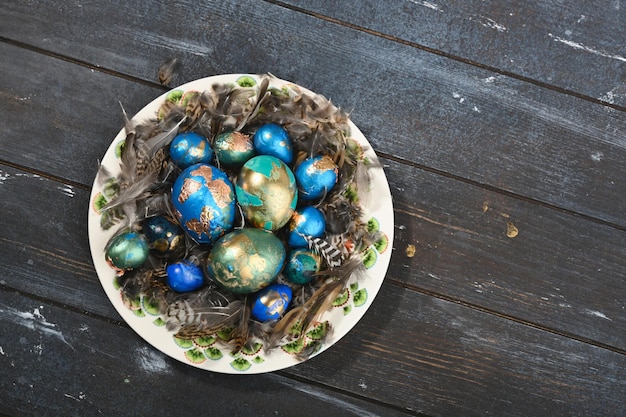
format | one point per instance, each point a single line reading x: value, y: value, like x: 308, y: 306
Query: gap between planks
x: 446, y: 55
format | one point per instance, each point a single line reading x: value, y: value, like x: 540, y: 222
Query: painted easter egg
x: 128, y: 250
x: 184, y: 276
x: 272, y: 139
x: 316, y: 177
x: 301, y: 266
x: 245, y: 260
x: 305, y: 221
x: 266, y: 191
x: 190, y: 148
x: 204, y: 200
x: 271, y: 302
x: 165, y: 238
x: 233, y: 148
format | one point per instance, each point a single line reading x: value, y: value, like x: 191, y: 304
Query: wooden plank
x: 585, y: 37
x: 462, y: 252
x: 556, y: 149
x: 529, y: 262
x: 55, y: 361
x: 439, y: 359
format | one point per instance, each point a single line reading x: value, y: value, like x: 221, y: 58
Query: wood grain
x: 431, y: 336
x: 556, y: 149
x: 55, y: 361
x: 523, y: 40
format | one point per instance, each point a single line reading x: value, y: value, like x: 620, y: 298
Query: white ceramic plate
x: 209, y: 353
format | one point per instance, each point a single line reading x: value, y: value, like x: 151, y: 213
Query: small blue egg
x: 127, y: 251
x: 165, y: 238
x: 184, y: 276
x: 190, y: 148
x: 307, y: 221
x: 302, y: 265
x: 271, y: 139
x: 316, y: 177
x: 271, y: 302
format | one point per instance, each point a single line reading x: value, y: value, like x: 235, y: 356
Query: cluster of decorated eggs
x: 273, y: 194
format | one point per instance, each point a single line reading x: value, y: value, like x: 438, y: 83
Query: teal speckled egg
x: 245, y: 260
x: 301, y: 266
x: 266, y: 191
x: 127, y: 251
x: 233, y: 148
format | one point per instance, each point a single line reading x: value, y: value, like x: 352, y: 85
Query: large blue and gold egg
x: 301, y: 266
x: 190, y: 148
x: 271, y: 302
x: 266, y: 191
x: 233, y: 148
x: 272, y: 139
x: 245, y: 260
x: 165, y: 238
x: 184, y: 276
x: 204, y: 200
x: 127, y: 250
x: 305, y: 221
x: 316, y: 177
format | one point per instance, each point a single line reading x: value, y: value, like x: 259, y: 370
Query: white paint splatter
x: 490, y: 23
x: 581, y: 19
x: 476, y: 109
x: 68, y: 190
x: 34, y: 321
x: 597, y: 156
x: 582, y: 47
x: 2, y: 351
x: 81, y: 396
x: 597, y: 314
x: 348, y: 408
x: 489, y: 80
x: 362, y: 384
x: 152, y: 361
x: 427, y: 4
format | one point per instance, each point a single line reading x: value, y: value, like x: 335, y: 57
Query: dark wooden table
x: 502, y: 127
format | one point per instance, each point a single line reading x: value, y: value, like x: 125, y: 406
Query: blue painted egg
x: 272, y: 139
x: 245, y: 260
x: 190, y: 148
x: 204, y: 200
x: 316, y: 177
x: 233, y: 148
x: 301, y: 266
x: 184, y: 276
x: 165, y: 238
x: 271, y: 302
x: 127, y: 251
x: 307, y: 221
x: 266, y: 191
